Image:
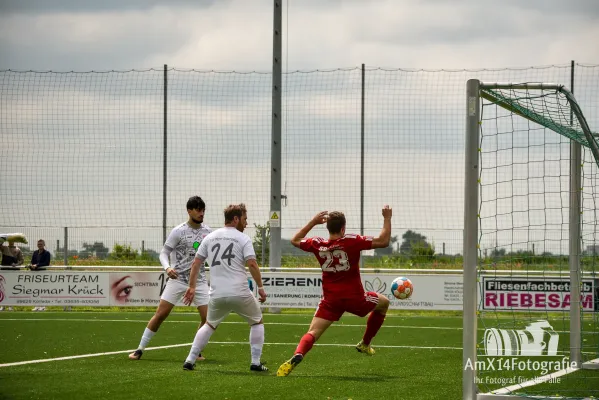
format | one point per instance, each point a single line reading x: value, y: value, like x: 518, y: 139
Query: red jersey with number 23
x: 340, y: 263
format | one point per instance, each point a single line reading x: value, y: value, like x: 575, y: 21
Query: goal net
x: 531, y: 321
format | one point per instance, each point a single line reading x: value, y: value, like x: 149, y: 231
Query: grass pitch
x: 83, y: 355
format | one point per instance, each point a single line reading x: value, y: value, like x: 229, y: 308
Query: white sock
x: 256, y: 342
x: 199, y: 342
x: 145, y: 339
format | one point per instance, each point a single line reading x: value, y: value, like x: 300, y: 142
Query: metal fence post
x: 66, y: 246
x: 263, y: 246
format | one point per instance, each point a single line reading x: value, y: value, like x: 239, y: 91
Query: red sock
x: 375, y: 321
x: 305, y: 344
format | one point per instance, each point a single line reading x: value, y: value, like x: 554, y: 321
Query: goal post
x: 530, y: 199
x: 469, y: 337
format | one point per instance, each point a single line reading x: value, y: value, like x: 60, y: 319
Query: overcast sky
x: 237, y: 34
x: 91, y: 127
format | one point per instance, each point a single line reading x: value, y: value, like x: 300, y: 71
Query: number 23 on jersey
x: 334, y: 261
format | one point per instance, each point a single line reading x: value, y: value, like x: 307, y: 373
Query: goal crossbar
x: 492, y: 92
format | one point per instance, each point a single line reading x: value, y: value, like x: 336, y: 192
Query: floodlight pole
x: 164, y: 153
x: 362, y: 159
x: 275, y: 155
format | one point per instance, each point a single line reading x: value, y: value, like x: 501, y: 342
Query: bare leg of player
x: 162, y: 312
x: 203, y: 310
x: 374, y: 323
x: 317, y: 328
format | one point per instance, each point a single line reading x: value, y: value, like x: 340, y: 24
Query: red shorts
x: 333, y: 309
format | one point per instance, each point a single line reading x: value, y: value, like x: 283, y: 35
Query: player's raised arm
x: 318, y: 219
x: 383, y: 239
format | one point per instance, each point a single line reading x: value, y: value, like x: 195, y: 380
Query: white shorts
x: 246, y: 307
x: 174, y: 291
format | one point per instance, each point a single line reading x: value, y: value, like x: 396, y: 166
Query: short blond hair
x: 234, y: 210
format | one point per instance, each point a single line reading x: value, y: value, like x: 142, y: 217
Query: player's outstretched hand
x: 171, y: 273
x: 387, y: 212
x: 320, y: 218
x: 262, y: 295
x: 188, y: 297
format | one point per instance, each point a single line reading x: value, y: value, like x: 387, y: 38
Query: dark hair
x: 234, y: 210
x: 335, y: 222
x: 196, y: 203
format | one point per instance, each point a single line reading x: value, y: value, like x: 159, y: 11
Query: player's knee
x: 211, y: 326
x: 383, y: 304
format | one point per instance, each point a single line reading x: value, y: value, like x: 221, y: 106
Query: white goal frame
x: 470, y: 243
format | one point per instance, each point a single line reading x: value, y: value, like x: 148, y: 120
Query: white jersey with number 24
x: 226, y: 250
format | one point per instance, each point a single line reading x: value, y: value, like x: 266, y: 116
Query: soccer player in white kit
x: 184, y: 240
x: 228, y: 250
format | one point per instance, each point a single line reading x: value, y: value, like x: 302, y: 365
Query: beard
x: 197, y: 221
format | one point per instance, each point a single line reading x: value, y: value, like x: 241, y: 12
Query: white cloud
x: 237, y: 35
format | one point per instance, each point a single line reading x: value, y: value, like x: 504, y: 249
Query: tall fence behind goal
x: 99, y: 158
x: 531, y: 185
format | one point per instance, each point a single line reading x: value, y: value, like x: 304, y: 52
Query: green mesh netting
x: 550, y: 108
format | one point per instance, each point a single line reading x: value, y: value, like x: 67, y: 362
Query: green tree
x: 262, y: 240
x: 422, y: 252
x: 497, y: 252
x: 150, y: 254
x: 414, y: 244
x: 123, y: 252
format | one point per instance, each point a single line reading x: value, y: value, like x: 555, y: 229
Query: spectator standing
x: 39, y: 261
x: 40, y: 258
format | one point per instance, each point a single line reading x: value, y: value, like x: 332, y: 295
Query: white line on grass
x: 88, y: 355
x: 340, y: 324
x: 235, y: 343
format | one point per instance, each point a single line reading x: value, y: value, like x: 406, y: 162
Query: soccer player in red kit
x: 339, y: 258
